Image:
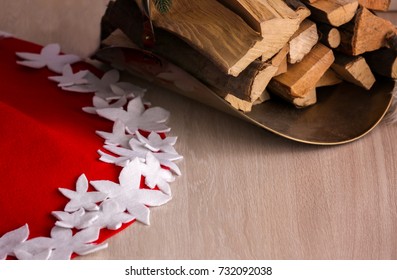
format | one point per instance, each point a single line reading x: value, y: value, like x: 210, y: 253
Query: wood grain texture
x: 379, y: 5
x: 245, y: 193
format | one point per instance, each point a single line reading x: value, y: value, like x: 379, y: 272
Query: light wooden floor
x: 244, y: 193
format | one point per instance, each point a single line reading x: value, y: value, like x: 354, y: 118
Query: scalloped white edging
x: 112, y: 204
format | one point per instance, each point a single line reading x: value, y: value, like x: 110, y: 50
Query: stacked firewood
x: 244, y: 49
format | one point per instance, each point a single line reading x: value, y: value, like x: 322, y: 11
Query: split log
x: 354, y: 69
x: 237, y: 103
x: 377, y: 5
x: 263, y: 98
x: 366, y: 32
x: 310, y: 98
x: 223, y: 36
x: 383, y: 62
x: 303, y: 76
x: 248, y: 86
x: 246, y: 106
x: 299, y: 8
x: 211, y: 28
x: 283, y: 67
x: 333, y: 12
x: 273, y: 19
x: 330, y: 78
x: 329, y: 35
x: 304, y: 39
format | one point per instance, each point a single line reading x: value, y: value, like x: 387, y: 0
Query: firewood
x: 303, y: 76
x: 330, y: 78
x: 237, y: 103
x: 377, y: 5
x: 224, y: 37
x: 366, y: 32
x: 279, y: 58
x: 309, y: 98
x: 391, y: 40
x: 333, y: 12
x: 265, y: 96
x: 282, y: 68
x: 329, y: 36
x: 354, y: 69
x: 273, y: 19
x: 299, y: 8
x: 261, y: 15
x: 249, y: 85
x: 383, y: 62
x: 304, y: 39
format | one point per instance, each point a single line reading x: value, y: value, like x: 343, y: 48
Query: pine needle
x: 163, y: 6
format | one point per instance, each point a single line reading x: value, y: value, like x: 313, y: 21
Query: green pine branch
x: 163, y: 6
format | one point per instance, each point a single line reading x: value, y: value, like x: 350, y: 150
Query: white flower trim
x: 112, y: 204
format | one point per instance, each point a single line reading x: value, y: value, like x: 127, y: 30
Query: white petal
x: 141, y: 213
x: 130, y: 176
x: 135, y: 107
x: 156, y: 114
x: 90, y: 248
x: 51, y: 50
x: 12, y: 239
x: 28, y: 56
x: 32, y: 64
x: 86, y: 235
x: 82, y: 184
x: 113, y: 114
x: 111, y: 77
x: 153, y: 198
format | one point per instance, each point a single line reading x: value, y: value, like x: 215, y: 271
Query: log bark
x: 212, y: 29
x: 329, y: 35
x: 248, y: 86
x: 383, y: 62
x: 300, y: 8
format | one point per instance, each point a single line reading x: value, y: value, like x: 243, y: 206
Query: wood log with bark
x: 243, y: 49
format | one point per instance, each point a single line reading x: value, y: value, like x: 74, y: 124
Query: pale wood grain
x: 245, y: 193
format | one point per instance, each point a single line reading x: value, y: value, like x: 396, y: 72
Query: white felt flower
x: 49, y: 56
x: 137, y: 117
x: 24, y: 255
x: 11, y: 240
x: 79, y: 219
x: 155, y: 175
x: 117, y: 137
x: 100, y: 86
x: 112, y: 215
x: 69, y: 78
x: 156, y: 144
x: 126, y: 155
x: 128, y: 194
x: 81, y: 198
x: 100, y: 103
x: 127, y: 90
x: 63, y: 243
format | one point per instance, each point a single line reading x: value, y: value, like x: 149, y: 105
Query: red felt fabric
x: 46, y: 142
